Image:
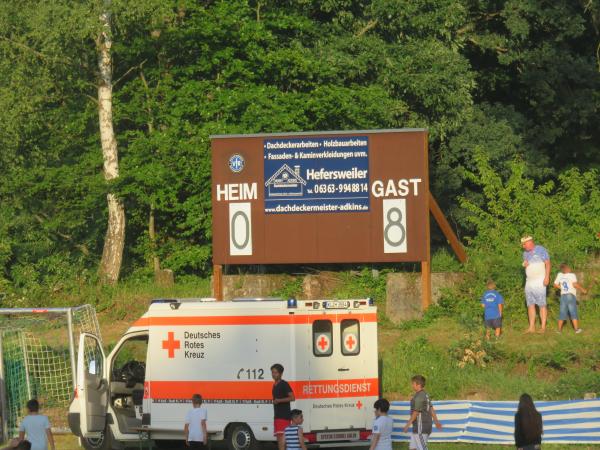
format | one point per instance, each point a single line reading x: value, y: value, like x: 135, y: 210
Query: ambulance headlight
x: 371, y: 301
x: 292, y: 303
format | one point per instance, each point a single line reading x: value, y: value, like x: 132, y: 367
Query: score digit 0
x: 394, y: 226
x: 240, y: 229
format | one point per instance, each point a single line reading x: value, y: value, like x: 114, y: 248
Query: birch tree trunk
x: 112, y: 254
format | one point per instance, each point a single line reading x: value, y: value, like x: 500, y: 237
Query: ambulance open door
x: 92, y: 386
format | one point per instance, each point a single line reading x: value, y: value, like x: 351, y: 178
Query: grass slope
x: 548, y: 366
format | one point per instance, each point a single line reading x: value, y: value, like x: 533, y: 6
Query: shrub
x: 473, y: 351
x: 563, y: 216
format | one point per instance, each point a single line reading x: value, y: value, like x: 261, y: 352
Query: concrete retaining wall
x: 240, y: 286
x: 403, y: 293
x: 403, y: 298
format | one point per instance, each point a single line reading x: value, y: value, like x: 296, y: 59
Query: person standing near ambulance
x: 196, y: 435
x: 282, y: 397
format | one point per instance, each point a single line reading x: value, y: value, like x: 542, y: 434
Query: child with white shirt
x: 383, y: 425
x: 566, y: 281
x: 196, y: 436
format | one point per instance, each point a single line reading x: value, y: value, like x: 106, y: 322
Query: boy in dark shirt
x: 282, y: 397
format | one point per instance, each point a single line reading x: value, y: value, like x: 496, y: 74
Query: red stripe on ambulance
x: 260, y: 390
x: 289, y: 319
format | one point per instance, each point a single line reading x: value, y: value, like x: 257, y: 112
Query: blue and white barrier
x: 572, y: 422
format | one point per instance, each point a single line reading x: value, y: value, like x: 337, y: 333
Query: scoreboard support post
x: 218, y: 281
x: 425, y: 285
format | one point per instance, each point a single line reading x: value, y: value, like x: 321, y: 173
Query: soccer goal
x: 37, y: 360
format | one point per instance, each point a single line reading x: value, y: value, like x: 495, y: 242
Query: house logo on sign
x: 236, y: 163
x: 286, y: 182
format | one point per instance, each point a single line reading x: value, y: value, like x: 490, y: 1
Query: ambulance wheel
x: 240, y: 437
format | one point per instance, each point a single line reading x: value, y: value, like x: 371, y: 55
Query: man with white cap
x: 537, y: 269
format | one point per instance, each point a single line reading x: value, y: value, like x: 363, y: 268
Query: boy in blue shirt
x: 37, y: 428
x: 492, y: 303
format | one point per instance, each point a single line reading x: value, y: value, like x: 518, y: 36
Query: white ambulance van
x: 223, y: 350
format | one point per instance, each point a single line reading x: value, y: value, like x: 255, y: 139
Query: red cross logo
x: 350, y: 342
x: 359, y: 404
x: 171, y: 344
x: 323, y: 343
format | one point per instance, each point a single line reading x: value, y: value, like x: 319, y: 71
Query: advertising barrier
x: 565, y: 422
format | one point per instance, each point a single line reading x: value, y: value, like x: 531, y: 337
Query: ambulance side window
x: 129, y: 364
x: 350, y: 335
x: 322, y: 331
x: 93, y: 357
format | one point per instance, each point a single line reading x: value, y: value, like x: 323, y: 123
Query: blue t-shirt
x: 537, y: 255
x: 491, y: 299
x: 34, y: 426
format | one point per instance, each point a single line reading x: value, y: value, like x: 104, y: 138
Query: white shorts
x: 535, y: 294
x: 418, y: 441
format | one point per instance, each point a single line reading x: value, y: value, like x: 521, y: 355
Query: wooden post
x: 425, y: 285
x: 218, y: 281
x: 440, y: 218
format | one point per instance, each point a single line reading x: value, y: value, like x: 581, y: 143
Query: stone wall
x: 403, y: 293
x: 314, y: 286
x: 248, y: 286
x: 403, y: 297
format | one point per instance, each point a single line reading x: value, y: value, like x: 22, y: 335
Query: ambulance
x: 223, y: 350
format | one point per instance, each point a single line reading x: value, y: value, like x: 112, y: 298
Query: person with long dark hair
x: 528, y: 425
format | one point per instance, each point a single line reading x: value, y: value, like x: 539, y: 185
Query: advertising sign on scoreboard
x: 320, y: 197
x: 308, y: 175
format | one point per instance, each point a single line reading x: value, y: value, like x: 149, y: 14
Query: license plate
x: 338, y: 436
x: 336, y: 304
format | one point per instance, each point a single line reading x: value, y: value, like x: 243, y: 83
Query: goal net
x: 38, y: 348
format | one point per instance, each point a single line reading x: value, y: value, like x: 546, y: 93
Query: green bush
x: 563, y: 216
x: 292, y: 288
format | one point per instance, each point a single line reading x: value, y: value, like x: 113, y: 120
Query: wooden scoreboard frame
x: 322, y: 197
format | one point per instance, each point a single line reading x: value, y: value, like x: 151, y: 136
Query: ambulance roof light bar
x: 340, y: 304
x: 163, y: 300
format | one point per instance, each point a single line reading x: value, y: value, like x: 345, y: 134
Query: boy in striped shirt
x: 294, y: 438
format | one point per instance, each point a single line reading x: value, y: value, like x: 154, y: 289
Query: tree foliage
x: 493, y: 80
